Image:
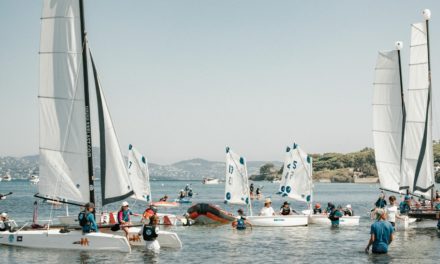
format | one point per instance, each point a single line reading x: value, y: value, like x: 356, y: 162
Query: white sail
x: 418, y: 174
x: 237, y: 183
x: 388, y: 120
x: 115, y: 183
x: 63, y: 138
x: 139, y: 175
x: 296, y: 181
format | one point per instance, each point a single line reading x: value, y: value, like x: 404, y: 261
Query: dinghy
x: 205, y: 214
x: 165, y: 204
x: 237, y: 192
x: 210, y: 181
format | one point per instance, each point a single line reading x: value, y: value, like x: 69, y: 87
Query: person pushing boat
x: 240, y: 223
x: 393, y: 212
x: 381, y: 202
x: 405, y: 205
x: 150, y: 232
x: 334, y: 214
x: 381, y: 234
x: 86, y: 219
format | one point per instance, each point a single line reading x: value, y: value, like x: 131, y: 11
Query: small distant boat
x: 7, y: 177
x: 203, y: 213
x: 34, y: 179
x: 165, y: 204
x: 183, y: 200
x: 210, y: 181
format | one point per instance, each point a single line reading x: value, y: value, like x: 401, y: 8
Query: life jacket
x: 285, y: 211
x: 241, y: 225
x: 332, y: 216
x: 149, y: 232
x: 82, y: 218
x: 190, y: 193
x: 317, y: 211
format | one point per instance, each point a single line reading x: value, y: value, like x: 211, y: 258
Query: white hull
x: 166, y: 204
x: 74, y: 240
x: 7, y: 179
x: 278, y: 220
x: 164, y: 219
x: 211, y: 181
x: 322, y: 219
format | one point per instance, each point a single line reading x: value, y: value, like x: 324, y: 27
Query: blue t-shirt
x: 91, y: 226
x: 337, y: 214
x: 382, y: 231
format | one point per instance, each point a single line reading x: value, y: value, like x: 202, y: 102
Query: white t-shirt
x: 267, y: 211
x: 392, y: 211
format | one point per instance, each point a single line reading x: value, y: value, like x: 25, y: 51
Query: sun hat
x: 348, y: 206
x: 267, y: 201
x: 124, y: 203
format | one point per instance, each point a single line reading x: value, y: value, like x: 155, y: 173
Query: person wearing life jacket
x: 163, y: 199
x: 124, y: 217
x: 335, y: 214
x: 348, y: 211
x: 4, y: 222
x: 285, y: 209
x: 190, y: 193
x: 240, y: 223
x: 150, y: 232
x: 86, y: 219
x: 381, y: 202
x: 317, y: 209
x: 405, y: 205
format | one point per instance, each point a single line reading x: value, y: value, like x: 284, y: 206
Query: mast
x: 427, y: 16
x: 87, y: 104
x: 399, y: 46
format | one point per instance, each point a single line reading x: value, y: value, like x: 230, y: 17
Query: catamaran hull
x: 322, y: 219
x: 278, y: 220
x: 165, y: 204
x: 73, y: 240
x: 166, y: 239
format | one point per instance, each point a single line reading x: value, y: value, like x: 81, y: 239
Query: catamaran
x: 66, y: 165
x: 402, y: 124
x: 237, y: 192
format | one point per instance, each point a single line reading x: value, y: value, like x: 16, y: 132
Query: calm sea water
x: 221, y: 244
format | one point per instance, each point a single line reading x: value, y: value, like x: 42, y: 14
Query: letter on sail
x: 296, y: 181
x: 63, y: 140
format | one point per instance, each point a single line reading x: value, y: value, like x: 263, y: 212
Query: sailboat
x: 7, y: 176
x: 66, y: 165
x: 402, y: 125
x: 237, y: 192
x: 140, y: 180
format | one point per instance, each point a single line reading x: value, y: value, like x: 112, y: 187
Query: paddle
x: 3, y: 196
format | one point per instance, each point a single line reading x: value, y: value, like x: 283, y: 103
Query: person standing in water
x: 392, y: 211
x: 381, y: 234
x: 381, y: 202
x: 150, y: 232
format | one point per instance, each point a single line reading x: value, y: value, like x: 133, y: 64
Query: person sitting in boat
x: 405, y: 205
x: 381, y: 234
x: 187, y: 188
x: 286, y: 210
x: 317, y: 209
x: 381, y: 202
x: 348, y: 211
x: 4, y: 222
x: 86, y: 219
x: 190, y: 193
x: 163, y: 199
x: 335, y: 214
x: 124, y: 217
x: 258, y: 193
x: 182, y: 194
x: 251, y: 189
x: 150, y: 231
x: 240, y: 223
x: 267, y: 210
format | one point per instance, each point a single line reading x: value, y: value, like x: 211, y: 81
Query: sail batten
x: 388, y: 119
x: 418, y: 174
x: 63, y: 145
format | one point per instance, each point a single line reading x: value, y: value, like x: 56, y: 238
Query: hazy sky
x: 183, y: 79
